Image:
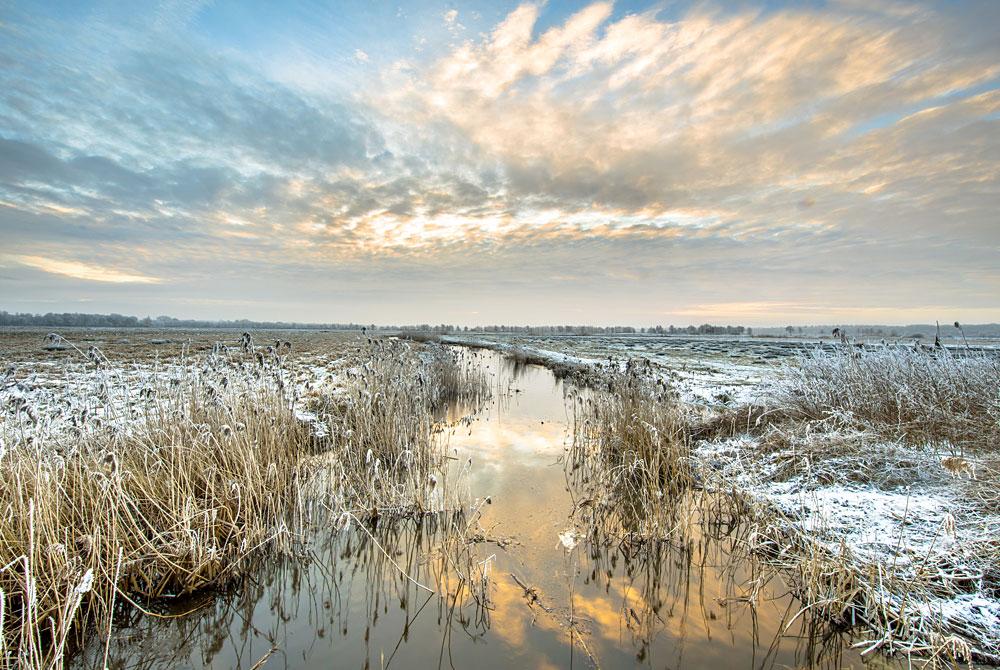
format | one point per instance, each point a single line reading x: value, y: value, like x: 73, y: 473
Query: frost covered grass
x: 868, y: 478
x: 384, y: 458
x: 872, y: 474
x: 920, y: 396
x: 630, y: 453
x: 199, y: 478
x: 124, y: 485
x: 875, y: 536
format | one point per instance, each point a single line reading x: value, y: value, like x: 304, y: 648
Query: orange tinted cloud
x: 84, y: 271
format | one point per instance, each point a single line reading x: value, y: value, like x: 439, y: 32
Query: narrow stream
x: 349, y: 604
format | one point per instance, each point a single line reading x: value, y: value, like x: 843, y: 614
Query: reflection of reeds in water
x: 703, y: 574
x: 638, y: 500
x: 630, y: 468
x: 384, y: 456
x: 879, y: 418
x: 172, y: 505
x: 352, y: 584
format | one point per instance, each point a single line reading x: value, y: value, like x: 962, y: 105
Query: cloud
x: 623, y: 164
x: 641, y: 111
x: 85, y: 271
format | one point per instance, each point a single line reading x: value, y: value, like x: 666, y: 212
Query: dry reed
x: 173, y: 488
x: 920, y: 396
x: 829, y: 423
x: 630, y: 452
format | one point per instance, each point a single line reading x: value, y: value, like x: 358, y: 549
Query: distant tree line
x: 78, y: 320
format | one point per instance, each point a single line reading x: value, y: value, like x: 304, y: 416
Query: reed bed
x: 891, y: 608
x: 124, y: 494
x: 641, y: 496
x: 714, y: 542
x: 313, y: 599
x: 850, y: 417
x: 630, y: 453
x: 911, y: 436
x: 384, y: 456
x: 921, y: 396
x: 172, y: 502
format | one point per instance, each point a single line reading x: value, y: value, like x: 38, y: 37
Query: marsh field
x: 303, y: 499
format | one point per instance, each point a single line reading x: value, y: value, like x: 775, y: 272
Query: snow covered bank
x: 698, y: 381
x: 925, y: 553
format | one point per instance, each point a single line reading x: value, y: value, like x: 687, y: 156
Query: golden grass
x: 631, y: 453
x: 172, y: 506
x: 185, y: 482
x: 384, y: 457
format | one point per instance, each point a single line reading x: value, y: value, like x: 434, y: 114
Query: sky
x: 637, y: 163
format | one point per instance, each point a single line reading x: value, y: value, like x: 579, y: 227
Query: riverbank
x: 565, y: 488
x: 532, y: 586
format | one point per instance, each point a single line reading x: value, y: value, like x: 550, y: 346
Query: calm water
x: 348, y: 605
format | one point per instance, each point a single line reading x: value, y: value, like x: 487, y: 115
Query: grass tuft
x: 919, y: 396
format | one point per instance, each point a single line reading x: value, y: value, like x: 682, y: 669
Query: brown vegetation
x: 179, y: 484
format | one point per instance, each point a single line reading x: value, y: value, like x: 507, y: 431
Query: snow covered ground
x: 925, y: 533
x: 58, y: 402
x: 705, y: 371
x: 918, y: 525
